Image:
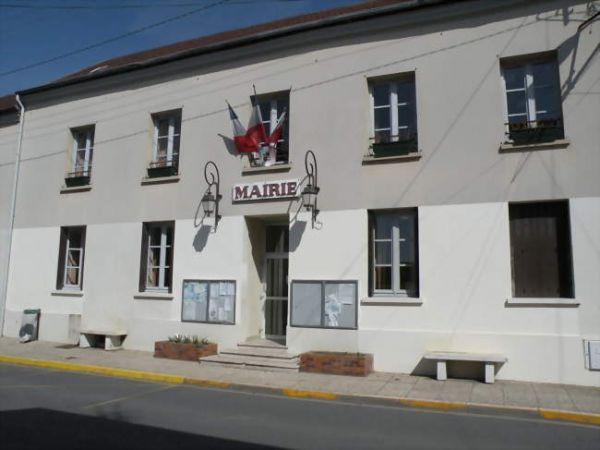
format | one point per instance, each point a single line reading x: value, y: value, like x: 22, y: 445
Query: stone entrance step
x: 258, y: 353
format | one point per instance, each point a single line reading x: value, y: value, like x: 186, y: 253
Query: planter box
x: 162, y: 171
x: 337, y: 363
x: 77, y: 180
x: 184, y: 352
x: 398, y: 148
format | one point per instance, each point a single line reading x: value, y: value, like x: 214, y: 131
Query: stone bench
x: 112, y: 339
x: 490, y: 361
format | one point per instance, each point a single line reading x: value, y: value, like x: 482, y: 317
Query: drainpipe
x: 13, y: 205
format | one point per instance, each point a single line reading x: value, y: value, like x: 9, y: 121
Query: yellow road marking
x: 437, y: 404
x: 570, y: 416
x: 309, y: 394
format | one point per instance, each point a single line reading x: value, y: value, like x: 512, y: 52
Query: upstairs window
x: 82, y: 155
x: 156, y: 262
x: 70, y: 258
x: 272, y: 107
x: 540, y: 241
x: 394, y: 253
x: 165, y: 152
x: 533, y: 100
x: 394, y: 116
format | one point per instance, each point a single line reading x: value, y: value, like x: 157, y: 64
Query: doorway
x: 276, y: 281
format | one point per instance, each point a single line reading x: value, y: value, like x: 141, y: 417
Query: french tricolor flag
x: 248, y: 141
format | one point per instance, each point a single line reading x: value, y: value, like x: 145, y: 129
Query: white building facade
x: 458, y: 152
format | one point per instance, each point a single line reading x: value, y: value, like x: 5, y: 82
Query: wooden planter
x: 184, y: 352
x: 337, y: 363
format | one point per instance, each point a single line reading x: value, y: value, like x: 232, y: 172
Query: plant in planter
x: 78, y: 178
x: 183, y: 347
x: 536, y: 132
x: 162, y: 168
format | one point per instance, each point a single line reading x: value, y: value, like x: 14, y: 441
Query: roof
x: 236, y: 37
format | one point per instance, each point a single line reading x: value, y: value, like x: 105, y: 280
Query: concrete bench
x: 111, y: 339
x: 490, y: 361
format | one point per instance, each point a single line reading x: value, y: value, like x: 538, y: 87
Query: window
x: 70, y: 258
x: 81, y: 160
x: 156, y: 269
x: 394, y: 115
x: 533, y: 100
x: 394, y: 253
x: 324, y: 304
x: 167, y: 135
x: 210, y: 301
x: 540, y: 240
x: 272, y: 107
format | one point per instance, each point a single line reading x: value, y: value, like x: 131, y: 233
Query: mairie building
x: 426, y: 178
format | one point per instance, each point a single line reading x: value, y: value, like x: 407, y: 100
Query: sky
x: 42, y: 40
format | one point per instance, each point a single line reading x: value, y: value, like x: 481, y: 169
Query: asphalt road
x: 42, y: 408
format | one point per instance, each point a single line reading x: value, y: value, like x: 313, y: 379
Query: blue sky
x: 33, y: 31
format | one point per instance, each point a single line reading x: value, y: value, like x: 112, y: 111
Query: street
x: 54, y: 409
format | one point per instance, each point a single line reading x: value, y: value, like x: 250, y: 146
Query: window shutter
x: 144, y: 258
x: 83, y: 255
x: 62, y: 249
x: 171, y: 239
x: 371, y: 226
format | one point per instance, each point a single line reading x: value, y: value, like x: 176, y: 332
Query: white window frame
x: 395, y: 263
x: 392, y: 106
x: 68, y: 249
x: 531, y: 110
x: 162, y: 267
x: 88, y: 149
x: 171, y: 135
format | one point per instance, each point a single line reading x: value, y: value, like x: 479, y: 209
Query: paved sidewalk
x: 414, y: 390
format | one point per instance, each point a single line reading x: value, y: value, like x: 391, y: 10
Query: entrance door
x: 276, y: 272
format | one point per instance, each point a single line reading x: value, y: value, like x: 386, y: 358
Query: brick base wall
x: 185, y: 352
x: 354, y: 364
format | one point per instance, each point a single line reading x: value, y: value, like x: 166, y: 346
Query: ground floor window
x: 540, y: 240
x: 210, y: 301
x: 70, y: 258
x: 156, y: 262
x: 394, y: 252
x: 324, y: 304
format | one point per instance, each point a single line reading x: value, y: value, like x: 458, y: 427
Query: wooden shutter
x: 144, y: 258
x: 62, y: 252
x: 541, y: 249
x: 171, y: 234
x: 83, y: 255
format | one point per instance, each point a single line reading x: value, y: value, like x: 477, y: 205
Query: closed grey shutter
x: 62, y: 248
x: 144, y: 258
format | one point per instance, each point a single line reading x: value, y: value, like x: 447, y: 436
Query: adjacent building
x: 453, y: 202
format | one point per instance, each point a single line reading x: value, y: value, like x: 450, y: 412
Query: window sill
x: 67, y: 293
x: 68, y: 190
x: 507, y: 147
x: 285, y: 167
x: 153, y: 296
x: 544, y: 302
x: 160, y: 180
x: 370, y: 159
x: 390, y: 300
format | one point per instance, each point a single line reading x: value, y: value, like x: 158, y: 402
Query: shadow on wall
x: 56, y: 429
x: 296, y: 232
x: 229, y: 145
x: 201, y: 237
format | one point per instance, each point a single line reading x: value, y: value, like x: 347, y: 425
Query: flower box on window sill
x: 161, y: 170
x: 76, y: 179
x: 397, y: 148
x: 539, y: 132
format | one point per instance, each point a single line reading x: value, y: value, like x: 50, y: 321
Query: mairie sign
x: 265, y: 190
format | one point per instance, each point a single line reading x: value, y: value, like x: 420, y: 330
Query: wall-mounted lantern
x: 311, y: 190
x: 210, y: 199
